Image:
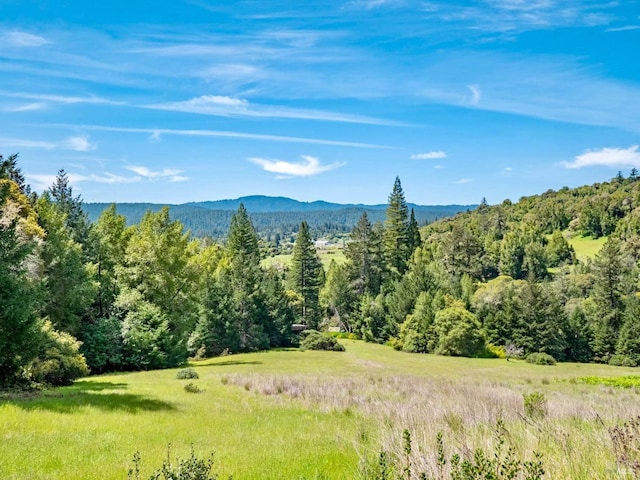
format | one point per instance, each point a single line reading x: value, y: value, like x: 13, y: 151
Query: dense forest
x: 80, y: 296
x: 275, y: 219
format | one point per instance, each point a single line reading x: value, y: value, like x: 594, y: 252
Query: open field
x: 293, y: 415
x: 586, y: 247
x: 325, y: 254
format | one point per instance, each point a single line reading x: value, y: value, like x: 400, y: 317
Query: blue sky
x: 180, y: 101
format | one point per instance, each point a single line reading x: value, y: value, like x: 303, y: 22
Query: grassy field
x: 325, y: 254
x: 315, y: 415
x: 586, y: 247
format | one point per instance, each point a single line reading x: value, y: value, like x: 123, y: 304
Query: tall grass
x: 291, y: 414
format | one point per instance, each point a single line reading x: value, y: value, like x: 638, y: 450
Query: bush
x: 540, y: 358
x: 535, y: 404
x: 192, y: 388
x: 187, y: 374
x: 622, y: 361
x: 315, y: 340
x: 192, y: 468
x: 59, y: 361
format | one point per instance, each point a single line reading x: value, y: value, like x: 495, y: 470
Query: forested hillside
x: 273, y: 217
x: 103, y: 296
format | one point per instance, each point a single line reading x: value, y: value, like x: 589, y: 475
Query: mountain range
x: 272, y: 215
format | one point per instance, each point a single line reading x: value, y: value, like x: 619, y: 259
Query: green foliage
x: 622, y: 361
x: 315, y: 340
x: 535, y: 405
x: 628, y: 381
x: 191, y: 468
x: 539, y: 358
x: 397, y: 242
x: 498, y: 463
x: 19, y: 324
x: 59, y: 361
x: 187, y: 374
x: 304, y: 276
x: 459, y: 333
x: 192, y: 388
x: 102, y: 345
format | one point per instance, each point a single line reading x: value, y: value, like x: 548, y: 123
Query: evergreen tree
x: 68, y: 282
x: 9, y: 170
x: 305, y: 276
x: 76, y: 219
x: 396, y: 231
x: 610, y: 272
x: 365, y: 257
x: 629, y: 339
x: 413, y: 233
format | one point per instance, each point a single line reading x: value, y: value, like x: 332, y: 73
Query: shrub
x: 192, y: 388
x: 59, y: 361
x: 622, y: 361
x: 315, y: 340
x: 187, y: 374
x: 498, y: 463
x: 540, y: 358
x: 192, y: 468
x: 535, y: 404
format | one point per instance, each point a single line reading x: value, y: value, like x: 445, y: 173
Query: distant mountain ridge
x: 271, y: 215
x: 263, y: 204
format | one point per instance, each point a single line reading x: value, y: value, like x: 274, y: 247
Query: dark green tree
x: 304, y: 276
x: 396, y: 231
x: 19, y: 324
x: 413, y: 233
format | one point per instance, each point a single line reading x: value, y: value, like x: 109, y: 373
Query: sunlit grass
x: 326, y: 256
x: 586, y: 247
x: 291, y: 414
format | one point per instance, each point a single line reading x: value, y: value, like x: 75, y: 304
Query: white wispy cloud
x: 308, y: 166
x: 44, y: 181
x: 79, y: 144
x: 229, y: 106
x: 476, y: 94
x: 158, y: 132
x: 464, y: 180
x: 65, y: 99
x: 607, y: 157
x: 623, y: 29
x: 428, y: 155
x: 28, y: 107
x: 172, y: 174
x: 24, y: 39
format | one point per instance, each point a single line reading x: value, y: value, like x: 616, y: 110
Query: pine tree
x: 76, y: 219
x: 305, y: 276
x: 396, y: 231
x: 365, y: 257
x: 413, y: 233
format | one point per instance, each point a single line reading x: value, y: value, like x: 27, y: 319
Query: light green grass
x: 344, y: 404
x: 586, y: 247
x: 326, y: 256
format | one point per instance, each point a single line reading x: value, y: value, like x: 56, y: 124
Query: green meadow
x: 294, y: 414
x: 586, y: 247
x: 326, y: 256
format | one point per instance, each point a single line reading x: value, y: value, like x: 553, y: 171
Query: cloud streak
x: 77, y: 144
x: 307, y: 167
x: 24, y: 39
x: 156, y: 133
x: 607, y: 157
x: 229, y: 106
x: 171, y: 173
x: 428, y: 155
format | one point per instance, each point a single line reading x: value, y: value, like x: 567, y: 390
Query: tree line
x: 79, y: 296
